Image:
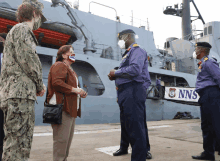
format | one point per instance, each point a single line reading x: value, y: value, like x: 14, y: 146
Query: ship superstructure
x: 94, y: 39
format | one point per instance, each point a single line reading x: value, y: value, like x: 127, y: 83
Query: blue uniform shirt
x: 158, y: 82
x: 134, y: 67
x: 209, y: 74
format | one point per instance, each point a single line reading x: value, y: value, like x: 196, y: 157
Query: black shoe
x: 218, y: 152
x: 148, y: 156
x: 204, y: 156
x: 120, y: 152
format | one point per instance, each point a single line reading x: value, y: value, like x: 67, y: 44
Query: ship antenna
x: 148, y: 28
x: 132, y: 17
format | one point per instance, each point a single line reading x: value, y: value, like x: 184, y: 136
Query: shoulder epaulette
x: 206, y: 59
x: 135, y: 45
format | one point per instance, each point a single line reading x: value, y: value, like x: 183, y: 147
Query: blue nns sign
x: 181, y: 94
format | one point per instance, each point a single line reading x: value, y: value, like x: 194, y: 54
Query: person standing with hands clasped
x: 208, y: 88
x: 132, y: 80
x: 63, y: 82
x: 21, y: 81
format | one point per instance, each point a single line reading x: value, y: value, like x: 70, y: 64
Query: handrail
x: 104, y: 6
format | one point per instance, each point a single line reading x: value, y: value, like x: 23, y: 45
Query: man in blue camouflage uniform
x: 208, y: 88
x: 132, y: 80
x: 21, y: 81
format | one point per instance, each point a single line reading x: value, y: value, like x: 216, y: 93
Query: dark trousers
x: 1, y: 133
x: 131, y: 100
x: 210, y: 118
x: 158, y: 88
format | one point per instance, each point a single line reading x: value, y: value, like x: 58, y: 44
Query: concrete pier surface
x: 170, y: 140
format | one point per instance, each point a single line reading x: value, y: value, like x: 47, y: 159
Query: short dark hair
x: 63, y: 50
x: 25, y: 12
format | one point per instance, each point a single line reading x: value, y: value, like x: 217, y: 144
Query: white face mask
x: 121, y: 44
x: 194, y: 55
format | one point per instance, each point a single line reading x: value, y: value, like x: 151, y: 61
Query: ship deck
x: 175, y: 140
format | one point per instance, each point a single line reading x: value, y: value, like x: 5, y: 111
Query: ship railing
x: 114, y: 55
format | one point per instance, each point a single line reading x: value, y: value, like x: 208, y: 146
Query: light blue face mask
x: 72, y: 58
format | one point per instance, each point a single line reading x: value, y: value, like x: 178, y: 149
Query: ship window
x: 166, y: 45
x: 210, y: 30
x: 205, y: 31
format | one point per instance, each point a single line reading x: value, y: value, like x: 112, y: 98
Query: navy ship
x: 94, y: 39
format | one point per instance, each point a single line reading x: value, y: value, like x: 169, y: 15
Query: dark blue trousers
x: 210, y: 117
x: 158, y: 88
x: 1, y: 133
x: 131, y: 100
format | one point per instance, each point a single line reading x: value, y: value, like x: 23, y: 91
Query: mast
x: 186, y: 20
x: 184, y: 13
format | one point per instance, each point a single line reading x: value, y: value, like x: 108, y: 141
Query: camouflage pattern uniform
x: 18, y: 91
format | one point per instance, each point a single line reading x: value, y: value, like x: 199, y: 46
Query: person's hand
x: 41, y: 93
x: 84, y: 95
x: 79, y: 91
x: 111, y: 75
x: 111, y: 78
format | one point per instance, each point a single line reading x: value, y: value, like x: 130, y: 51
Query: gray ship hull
x: 100, y: 110
x: 100, y: 106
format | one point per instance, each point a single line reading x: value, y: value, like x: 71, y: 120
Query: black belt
x: 124, y: 86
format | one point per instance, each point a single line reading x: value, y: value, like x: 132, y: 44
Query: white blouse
x: 78, y: 96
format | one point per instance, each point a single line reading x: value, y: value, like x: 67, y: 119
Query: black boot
x: 204, y: 156
x: 120, y: 152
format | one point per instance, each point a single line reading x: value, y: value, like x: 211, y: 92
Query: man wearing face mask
x: 132, y: 80
x: 208, y: 88
x: 21, y: 81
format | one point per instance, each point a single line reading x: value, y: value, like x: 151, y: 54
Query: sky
x: 162, y: 26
